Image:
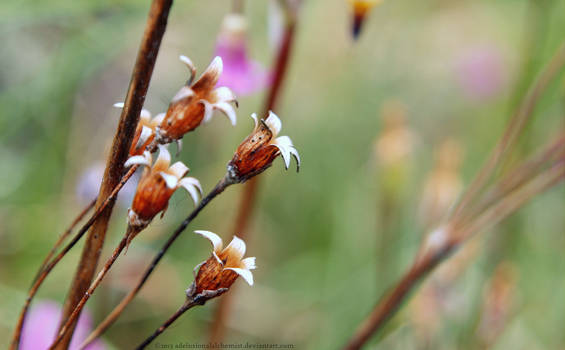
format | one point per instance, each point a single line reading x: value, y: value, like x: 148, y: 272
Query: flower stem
x: 219, y: 188
x: 48, y: 267
x: 135, y: 98
x: 188, y: 304
x: 76, y: 312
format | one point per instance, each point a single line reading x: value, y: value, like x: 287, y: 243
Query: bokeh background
x: 369, y: 118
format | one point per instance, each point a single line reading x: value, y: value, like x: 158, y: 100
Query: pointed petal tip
x: 238, y: 246
x: 216, y: 240
x: 191, y: 185
x: 246, y: 274
x: 184, y: 59
x: 274, y: 123
x: 178, y: 169
x: 228, y: 111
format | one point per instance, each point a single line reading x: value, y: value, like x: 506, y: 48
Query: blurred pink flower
x: 42, y: 323
x: 241, y: 74
x: 481, y: 72
x: 89, y: 184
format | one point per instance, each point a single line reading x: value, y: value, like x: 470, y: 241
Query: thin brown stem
x: 135, y: 98
x: 76, y: 312
x: 49, y: 267
x: 249, y: 195
x: 219, y: 188
x: 184, y: 308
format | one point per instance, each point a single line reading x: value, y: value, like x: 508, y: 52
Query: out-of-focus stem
x: 513, y: 129
x: 391, y: 302
x: 249, y: 195
x: 44, y: 272
x: 219, y: 188
x: 135, y: 98
x: 455, y: 236
x: 462, y: 223
x: 524, y: 173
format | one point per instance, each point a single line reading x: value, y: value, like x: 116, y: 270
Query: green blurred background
x: 328, y: 240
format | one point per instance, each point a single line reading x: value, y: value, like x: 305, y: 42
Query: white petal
x: 254, y: 116
x: 170, y: 180
x: 224, y: 94
x: 214, y: 238
x: 145, y: 134
x: 274, y: 123
x: 228, y: 110
x: 246, y: 274
x: 285, y: 152
x: 178, y: 169
x: 249, y: 263
x: 179, y: 146
x: 188, y: 184
x: 294, y: 152
x: 191, y: 181
x: 186, y: 61
x: 119, y: 105
x: 216, y: 67
x: 158, y: 119
x: 145, y: 114
x: 208, y: 80
x: 183, y: 93
x: 164, y: 158
x: 284, y: 141
x: 144, y: 159
x: 208, y: 111
x: 237, y: 247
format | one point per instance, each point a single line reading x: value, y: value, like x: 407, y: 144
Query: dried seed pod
x: 195, y: 103
x: 221, y: 270
x: 258, y: 151
x: 157, y: 185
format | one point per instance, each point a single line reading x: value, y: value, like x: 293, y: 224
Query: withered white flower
x: 195, y: 102
x: 157, y: 185
x: 225, y: 265
x: 257, y: 152
x: 145, y: 132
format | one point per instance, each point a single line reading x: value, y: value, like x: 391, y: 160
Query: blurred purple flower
x: 481, y: 72
x: 241, y: 74
x: 42, y: 323
x: 89, y: 184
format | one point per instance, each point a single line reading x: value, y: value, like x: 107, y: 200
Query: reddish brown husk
x: 254, y: 154
x: 152, y: 196
x: 213, y: 276
x: 182, y: 116
x: 187, y: 113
